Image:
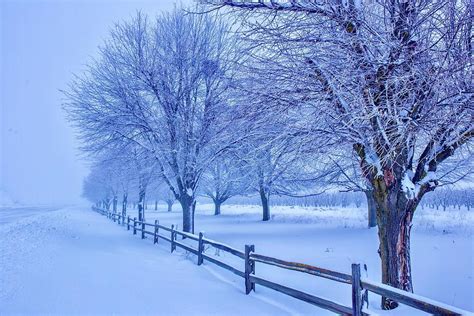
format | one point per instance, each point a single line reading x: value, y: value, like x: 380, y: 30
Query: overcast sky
x: 41, y: 44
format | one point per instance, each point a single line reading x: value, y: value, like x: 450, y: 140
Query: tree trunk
x: 217, y: 207
x: 107, y: 204
x: 371, y: 209
x: 156, y: 205
x: 141, y: 205
x: 187, y: 204
x: 193, y: 213
x: 394, y: 218
x: 114, y: 205
x: 265, y: 204
x: 124, y: 205
x: 170, y: 205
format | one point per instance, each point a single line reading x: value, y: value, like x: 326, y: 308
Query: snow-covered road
x: 74, y: 261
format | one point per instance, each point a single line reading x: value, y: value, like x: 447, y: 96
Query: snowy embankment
x: 74, y: 261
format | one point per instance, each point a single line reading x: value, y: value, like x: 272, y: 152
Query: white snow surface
x: 333, y: 238
x: 6, y: 200
x: 75, y: 261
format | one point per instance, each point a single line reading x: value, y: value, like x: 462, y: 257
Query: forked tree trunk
x: 265, y: 204
x: 217, y: 207
x: 170, y: 205
x: 107, y: 204
x: 394, y: 218
x: 371, y: 209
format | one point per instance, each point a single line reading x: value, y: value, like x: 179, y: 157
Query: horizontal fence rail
x: 301, y: 267
x: 413, y: 300
x: 360, y: 286
x: 318, y: 301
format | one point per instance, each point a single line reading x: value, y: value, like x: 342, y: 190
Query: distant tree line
x: 442, y: 199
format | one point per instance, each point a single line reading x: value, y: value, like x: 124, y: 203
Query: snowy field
x: 333, y: 238
x: 74, y: 261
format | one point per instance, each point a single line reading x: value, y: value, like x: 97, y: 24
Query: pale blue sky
x: 41, y: 44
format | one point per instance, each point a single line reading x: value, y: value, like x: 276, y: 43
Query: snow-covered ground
x: 442, y: 248
x: 13, y: 213
x: 76, y: 261
x: 6, y: 200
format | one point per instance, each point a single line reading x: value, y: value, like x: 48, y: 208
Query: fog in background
x: 42, y: 43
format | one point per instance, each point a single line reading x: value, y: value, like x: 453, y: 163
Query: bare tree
x: 163, y: 88
x: 226, y: 177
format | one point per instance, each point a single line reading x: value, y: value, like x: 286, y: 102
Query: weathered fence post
x: 200, y: 249
x: 249, y: 269
x: 134, y: 225
x: 155, y: 237
x: 143, y: 229
x: 356, y: 291
x: 365, y: 293
x: 128, y: 222
x: 172, y: 238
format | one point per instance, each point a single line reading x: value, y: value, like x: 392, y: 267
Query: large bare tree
x: 392, y: 79
x: 163, y: 87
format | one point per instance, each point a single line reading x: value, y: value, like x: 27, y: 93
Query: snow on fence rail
x: 360, y: 286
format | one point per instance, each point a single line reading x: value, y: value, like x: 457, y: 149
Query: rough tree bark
x: 394, y: 219
x: 193, y: 209
x: 187, y: 202
x: 371, y: 209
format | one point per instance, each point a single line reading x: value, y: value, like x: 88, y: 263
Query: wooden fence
x: 360, y: 286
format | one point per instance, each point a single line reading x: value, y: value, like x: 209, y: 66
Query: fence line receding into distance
x: 360, y: 286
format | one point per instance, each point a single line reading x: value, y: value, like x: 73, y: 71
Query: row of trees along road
x: 290, y: 98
